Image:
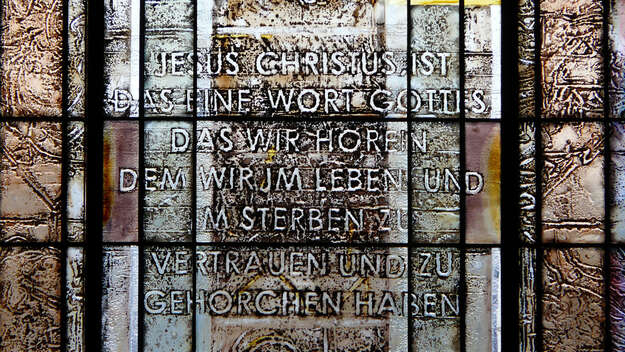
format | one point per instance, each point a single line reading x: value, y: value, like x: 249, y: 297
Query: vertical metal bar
x: 94, y: 175
x: 194, y: 185
x: 462, y: 172
x: 409, y: 117
x: 510, y: 177
x: 141, y: 169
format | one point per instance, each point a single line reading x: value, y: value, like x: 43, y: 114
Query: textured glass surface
x: 30, y: 179
x: 571, y: 58
x: 573, y: 301
x: 287, y: 182
x: 31, y: 58
x: 120, y: 201
x: 527, y: 182
x: 435, y: 183
x: 483, y: 182
x: 30, y: 306
x: 436, y: 286
x: 331, y: 58
x: 302, y: 298
x: 167, y: 203
x: 482, y: 59
x: 168, y: 297
x: 120, y: 299
x: 572, y: 182
x: 527, y: 57
x: 435, y: 46
x: 122, y: 22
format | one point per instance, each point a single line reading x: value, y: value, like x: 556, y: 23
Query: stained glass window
x: 311, y: 175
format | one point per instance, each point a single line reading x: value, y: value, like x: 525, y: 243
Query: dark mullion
x: 141, y: 234
x: 141, y: 182
x: 411, y: 337
x: 462, y: 205
x: 313, y: 244
x: 194, y: 186
x: 607, y: 74
x: 356, y: 118
x: 94, y: 175
x: 510, y: 167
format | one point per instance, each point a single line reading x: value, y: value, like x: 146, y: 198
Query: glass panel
x: 483, y: 301
x: 573, y: 190
x: 571, y: 58
x: 287, y: 182
x: 483, y: 180
x: 435, y: 184
x: 573, y: 300
x: 302, y: 298
x: 527, y: 181
x: 75, y: 299
x: 167, y: 203
x: 31, y: 58
x: 616, y: 188
x: 617, y: 55
x: 120, y: 199
x: 326, y: 58
x: 122, y: 22
x: 482, y: 59
x: 120, y: 299
x: 76, y: 55
x: 168, y: 57
x: 436, y: 291
x: 527, y: 300
x: 168, y: 299
x: 30, y: 176
x: 527, y: 58
x: 435, y: 47
x: 617, y: 298
x: 30, y: 309
x: 76, y: 187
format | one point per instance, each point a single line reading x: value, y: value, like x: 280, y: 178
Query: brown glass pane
x: 30, y: 179
x: 120, y: 203
x: 573, y: 302
x: 483, y: 182
x: 572, y: 177
x: 31, y: 58
x: 571, y: 58
x: 30, y: 303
